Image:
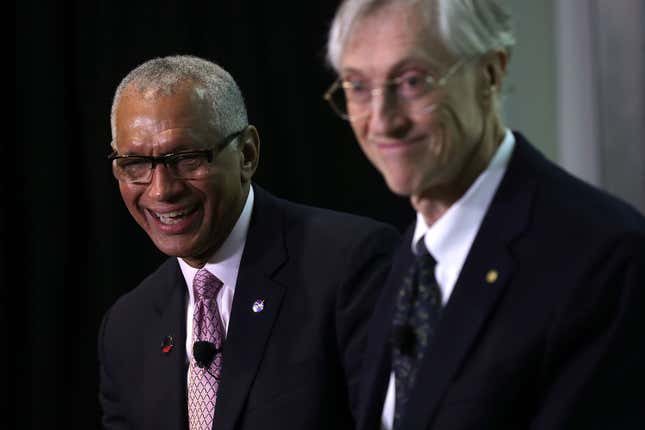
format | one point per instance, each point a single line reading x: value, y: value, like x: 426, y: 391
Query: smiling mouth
x: 173, y: 217
x: 396, y: 144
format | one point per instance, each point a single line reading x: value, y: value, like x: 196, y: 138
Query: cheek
x: 466, y: 112
x: 360, y: 129
x: 129, y: 196
x: 216, y: 195
x: 448, y: 129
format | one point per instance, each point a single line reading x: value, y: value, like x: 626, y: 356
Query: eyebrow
x: 176, y: 151
x: 399, y: 66
x: 181, y: 145
x: 407, y: 62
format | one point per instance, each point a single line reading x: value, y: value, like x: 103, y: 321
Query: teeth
x: 173, y: 213
x: 171, y: 217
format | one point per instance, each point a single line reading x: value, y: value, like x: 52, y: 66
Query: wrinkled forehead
x: 181, y: 103
x: 391, y: 35
x: 153, y: 116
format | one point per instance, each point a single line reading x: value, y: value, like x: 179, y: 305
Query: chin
x: 401, y: 186
x: 171, y: 248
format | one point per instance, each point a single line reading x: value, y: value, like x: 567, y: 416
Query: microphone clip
x: 404, y: 339
x: 204, y: 353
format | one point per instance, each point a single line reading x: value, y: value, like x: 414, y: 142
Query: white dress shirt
x: 449, y: 239
x: 225, y: 264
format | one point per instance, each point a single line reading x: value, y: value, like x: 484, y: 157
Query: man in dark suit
x: 258, y: 318
x: 517, y: 298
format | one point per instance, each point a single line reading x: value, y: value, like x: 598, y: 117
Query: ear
x: 493, y: 70
x: 249, y: 153
x: 495, y: 63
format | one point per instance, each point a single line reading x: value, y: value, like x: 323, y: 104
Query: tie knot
x: 423, y: 256
x: 206, y: 285
x: 425, y: 259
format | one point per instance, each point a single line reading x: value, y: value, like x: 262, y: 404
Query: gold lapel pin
x: 492, y: 276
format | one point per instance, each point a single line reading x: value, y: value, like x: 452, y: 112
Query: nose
x: 388, y: 118
x: 163, y: 185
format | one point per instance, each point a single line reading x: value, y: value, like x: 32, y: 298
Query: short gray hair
x: 467, y: 28
x: 163, y: 76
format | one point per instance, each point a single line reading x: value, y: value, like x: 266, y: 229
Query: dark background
x: 70, y: 247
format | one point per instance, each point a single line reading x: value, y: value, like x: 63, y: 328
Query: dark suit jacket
x: 292, y: 366
x: 556, y: 341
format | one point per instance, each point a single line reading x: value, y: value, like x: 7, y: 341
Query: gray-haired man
x: 516, y: 297
x: 257, y: 319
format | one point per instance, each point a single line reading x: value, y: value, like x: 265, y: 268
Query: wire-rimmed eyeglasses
x: 351, y: 99
x: 137, y: 169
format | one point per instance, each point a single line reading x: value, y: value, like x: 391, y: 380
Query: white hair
x: 163, y: 76
x: 467, y: 28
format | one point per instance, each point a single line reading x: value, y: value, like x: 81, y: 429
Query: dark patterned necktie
x: 203, y: 382
x: 416, y: 315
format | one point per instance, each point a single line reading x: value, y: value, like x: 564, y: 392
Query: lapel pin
x: 492, y: 276
x: 258, y: 305
x: 167, y: 344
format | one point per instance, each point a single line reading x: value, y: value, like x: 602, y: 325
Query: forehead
x: 184, y: 103
x: 142, y: 118
x: 391, y: 36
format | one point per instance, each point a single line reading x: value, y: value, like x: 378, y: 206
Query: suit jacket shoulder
x: 577, y: 204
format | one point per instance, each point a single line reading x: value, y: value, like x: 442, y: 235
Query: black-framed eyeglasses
x: 351, y: 99
x: 137, y: 169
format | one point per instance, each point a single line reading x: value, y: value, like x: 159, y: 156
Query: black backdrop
x: 69, y: 246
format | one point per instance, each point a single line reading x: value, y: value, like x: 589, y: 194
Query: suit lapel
x: 249, y: 331
x: 485, y: 274
x: 376, y: 369
x: 165, y: 370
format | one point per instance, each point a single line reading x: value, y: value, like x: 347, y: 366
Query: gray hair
x: 467, y: 28
x: 163, y: 76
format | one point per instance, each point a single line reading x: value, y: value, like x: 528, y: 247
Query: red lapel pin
x: 167, y: 344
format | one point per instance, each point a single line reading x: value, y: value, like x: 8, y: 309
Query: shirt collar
x: 450, y: 237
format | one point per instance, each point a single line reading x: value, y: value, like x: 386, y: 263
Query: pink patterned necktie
x: 207, y: 326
